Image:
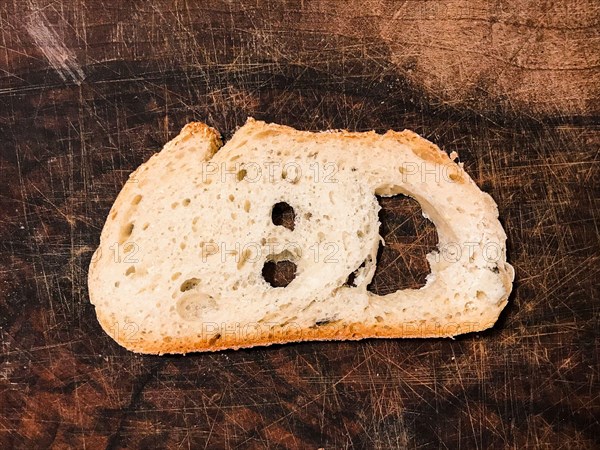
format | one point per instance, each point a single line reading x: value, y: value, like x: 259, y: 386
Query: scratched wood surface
x: 89, y: 89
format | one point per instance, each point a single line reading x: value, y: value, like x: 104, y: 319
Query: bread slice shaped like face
x: 184, y: 254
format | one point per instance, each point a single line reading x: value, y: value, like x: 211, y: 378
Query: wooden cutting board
x: 91, y: 89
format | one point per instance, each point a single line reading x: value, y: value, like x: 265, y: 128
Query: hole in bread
x: 189, y: 284
x: 279, y: 273
x: 246, y: 253
x: 350, y: 280
x: 352, y: 277
x: 455, y: 176
x: 126, y: 231
x: 193, y: 305
x: 283, y: 215
x: 213, y: 340
x: 242, y: 174
x: 325, y: 321
x: 409, y: 237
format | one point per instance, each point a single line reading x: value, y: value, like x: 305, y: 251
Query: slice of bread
x: 181, y: 262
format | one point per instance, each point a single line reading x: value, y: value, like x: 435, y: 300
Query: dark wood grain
x: 90, y: 89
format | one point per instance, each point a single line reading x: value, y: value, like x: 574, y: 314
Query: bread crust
x: 330, y: 332
x: 220, y: 338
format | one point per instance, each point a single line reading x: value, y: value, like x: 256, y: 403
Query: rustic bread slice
x: 182, y: 254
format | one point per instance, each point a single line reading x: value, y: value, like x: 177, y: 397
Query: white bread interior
x: 179, y: 264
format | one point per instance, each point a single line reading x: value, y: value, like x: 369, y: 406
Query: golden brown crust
x: 422, y: 148
x: 428, y: 151
x: 193, y: 128
x: 281, y: 335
